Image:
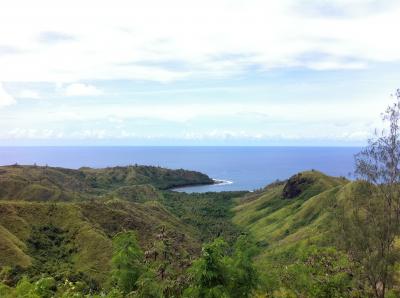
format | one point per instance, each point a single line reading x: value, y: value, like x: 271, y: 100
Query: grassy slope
x: 60, y: 218
x: 279, y: 223
x: 88, y: 228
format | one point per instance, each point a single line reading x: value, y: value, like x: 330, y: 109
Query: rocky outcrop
x: 296, y: 185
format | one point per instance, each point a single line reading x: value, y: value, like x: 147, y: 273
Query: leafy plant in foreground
x: 126, y: 261
x: 218, y: 274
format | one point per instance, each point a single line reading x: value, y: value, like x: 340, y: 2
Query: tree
x: 217, y: 274
x: 126, y: 261
x: 244, y: 274
x: 209, y: 273
x: 370, y: 217
x: 319, y: 272
x: 163, y: 249
x: 148, y: 286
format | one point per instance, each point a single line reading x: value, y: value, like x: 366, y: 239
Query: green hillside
x: 52, y: 184
x: 277, y: 218
x: 294, y: 223
x: 86, y: 229
x: 60, y: 222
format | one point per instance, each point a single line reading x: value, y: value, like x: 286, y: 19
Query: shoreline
x: 217, y: 182
x: 222, y: 182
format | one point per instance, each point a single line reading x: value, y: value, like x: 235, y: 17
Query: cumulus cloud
x: 139, y: 40
x: 79, y: 89
x: 5, y: 98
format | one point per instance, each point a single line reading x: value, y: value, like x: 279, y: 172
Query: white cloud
x: 5, y: 98
x: 31, y: 133
x: 31, y: 94
x: 202, y: 121
x: 220, y: 134
x: 217, y: 134
x: 185, y: 113
x: 171, y: 40
x: 79, y: 89
x: 166, y: 41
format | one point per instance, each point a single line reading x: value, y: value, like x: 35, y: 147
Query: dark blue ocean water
x: 247, y: 168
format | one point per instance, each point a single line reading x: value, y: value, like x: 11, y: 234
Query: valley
x: 61, y: 223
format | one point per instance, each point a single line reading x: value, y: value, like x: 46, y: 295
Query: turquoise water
x: 242, y: 168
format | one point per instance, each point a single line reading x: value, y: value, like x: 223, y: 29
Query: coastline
x: 222, y: 182
x: 263, y: 164
x: 217, y: 182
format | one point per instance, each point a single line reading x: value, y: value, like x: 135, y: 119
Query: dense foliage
x: 209, y: 213
x: 217, y: 273
x: 127, y: 262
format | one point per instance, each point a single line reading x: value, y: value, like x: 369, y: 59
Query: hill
x: 59, y: 184
x: 293, y: 223
x: 68, y: 240
x: 60, y: 222
x: 291, y: 211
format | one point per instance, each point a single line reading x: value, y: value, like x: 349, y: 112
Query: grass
x: 277, y: 221
x: 86, y: 207
x: 294, y: 227
x: 86, y: 230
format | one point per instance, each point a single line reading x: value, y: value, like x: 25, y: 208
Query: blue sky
x: 302, y: 73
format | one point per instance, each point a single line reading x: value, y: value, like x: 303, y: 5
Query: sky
x: 184, y: 72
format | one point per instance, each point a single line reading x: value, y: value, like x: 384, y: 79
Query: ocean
x: 241, y: 168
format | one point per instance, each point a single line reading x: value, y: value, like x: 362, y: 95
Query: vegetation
x: 74, y: 240
x: 127, y: 264
x: 34, y: 183
x: 81, y: 241
x: 89, y: 247
x: 217, y: 274
x: 209, y: 213
x: 90, y: 244
x: 297, y: 255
